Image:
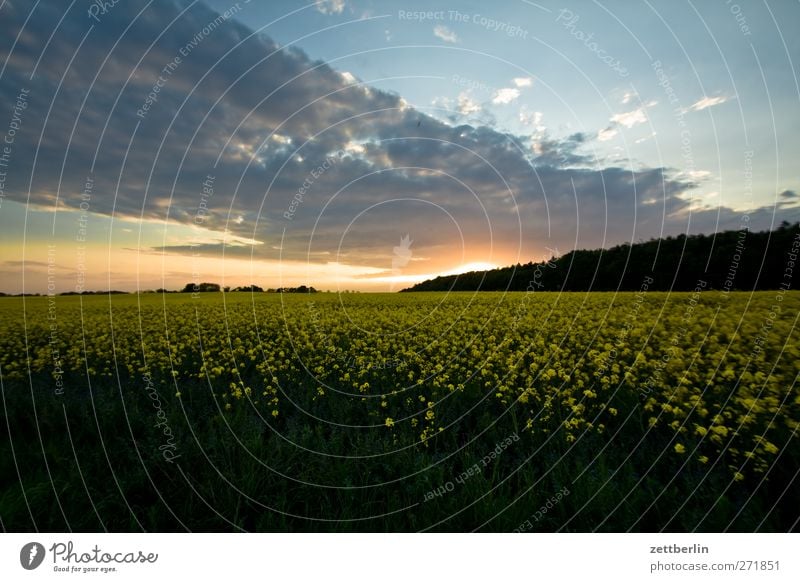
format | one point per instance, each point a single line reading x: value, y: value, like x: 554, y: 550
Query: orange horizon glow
x: 125, y: 269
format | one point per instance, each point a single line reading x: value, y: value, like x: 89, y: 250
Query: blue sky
x: 704, y: 49
x: 486, y: 133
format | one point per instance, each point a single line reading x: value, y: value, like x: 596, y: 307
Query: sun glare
x: 469, y: 267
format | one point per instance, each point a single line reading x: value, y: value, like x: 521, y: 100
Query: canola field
x: 509, y: 412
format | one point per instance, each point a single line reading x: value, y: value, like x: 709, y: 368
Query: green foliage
x: 728, y: 260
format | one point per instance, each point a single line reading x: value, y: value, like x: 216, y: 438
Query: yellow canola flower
x: 539, y: 371
x: 720, y: 430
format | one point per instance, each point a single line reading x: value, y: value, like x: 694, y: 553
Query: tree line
x: 215, y: 288
x: 188, y: 288
x: 730, y: 260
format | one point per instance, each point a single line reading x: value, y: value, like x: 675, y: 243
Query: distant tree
x: 248, y: 289
x: 300, y: 289
x: 201, y: 288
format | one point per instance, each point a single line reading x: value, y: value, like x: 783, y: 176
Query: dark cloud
x: 30, y: 264
x: 267, y: 121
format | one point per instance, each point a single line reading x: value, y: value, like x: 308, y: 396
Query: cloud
x: 349, y: 78
x: 522, y: 82
x: 531, y: 118
x: 444, y: 33
x: 789, y: 195
x: 331, y: 6
x: 707, y: 102
x: 631, y: 118
x: 505, y: 96
x: 628, y: 119
x: 32, y: 264
x: 607, y: 134
x: 698, y: 175
x: 646, y: 138
x: 463, y: 106
x: 466, y: 105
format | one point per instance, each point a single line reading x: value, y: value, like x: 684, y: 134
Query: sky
x: 369, y: 145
